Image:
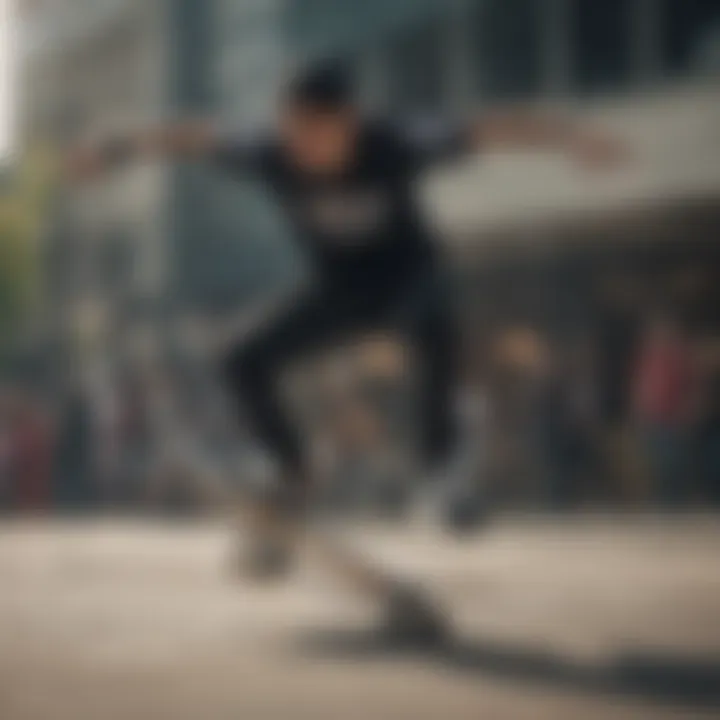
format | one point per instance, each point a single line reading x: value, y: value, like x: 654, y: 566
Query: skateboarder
x: 347, y: 185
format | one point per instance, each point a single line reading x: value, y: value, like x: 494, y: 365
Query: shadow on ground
x: 662, y: 679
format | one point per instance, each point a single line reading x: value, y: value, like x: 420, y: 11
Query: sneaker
x: 412, y: 618
x: 455, y: 502
x: 453, y: 494
x: 465, y: 510
x: 265, y: 559
x: 272, y: 520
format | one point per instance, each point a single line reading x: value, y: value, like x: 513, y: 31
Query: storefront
x: 562, y: 272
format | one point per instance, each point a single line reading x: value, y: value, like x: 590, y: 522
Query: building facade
x: 159, y: 235
x: 90, y: 69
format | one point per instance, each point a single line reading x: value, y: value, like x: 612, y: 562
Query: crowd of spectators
x: 159, y: 439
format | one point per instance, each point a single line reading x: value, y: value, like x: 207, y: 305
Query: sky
x: 6, y: 77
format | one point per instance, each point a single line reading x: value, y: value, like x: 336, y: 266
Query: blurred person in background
x: 106, y: 432
x: 360, y: 445
x: 665, y: 398
x: 585, y: 420
x: 32, y: 455
x: 568, y: 426
x: 526, y: 418
x: 549, y: 426
x: 5, y: 451
x: 707, y: 437
x: 177, y: 466
x: 73, y: 482
x: 348, y: 434
x: 135, y: 436
x: 474, y: 417
x: 348, y: 185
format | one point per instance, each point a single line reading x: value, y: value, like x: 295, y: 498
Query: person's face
x: 321, y: 141
x: 663, y: 332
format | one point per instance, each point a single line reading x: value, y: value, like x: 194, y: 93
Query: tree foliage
x: 24, y: 205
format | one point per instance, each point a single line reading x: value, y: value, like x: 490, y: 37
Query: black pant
x: 417, y: 307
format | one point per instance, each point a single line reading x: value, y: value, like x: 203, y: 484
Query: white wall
x: 674, y: 143
x: 7, y: 76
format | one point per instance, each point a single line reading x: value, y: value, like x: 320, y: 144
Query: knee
x: 436, y: 328
x: 431, y: 318
x: 244, y: 366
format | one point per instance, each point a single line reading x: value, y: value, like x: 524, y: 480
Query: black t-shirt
x: 364, y: 225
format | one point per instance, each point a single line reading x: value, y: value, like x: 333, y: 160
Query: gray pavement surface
x: 589, y: 617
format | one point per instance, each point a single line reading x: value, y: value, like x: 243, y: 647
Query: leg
x: 252, y: 371
x: 253, y: 368
x: 427, y: 319
x: 423, y: 314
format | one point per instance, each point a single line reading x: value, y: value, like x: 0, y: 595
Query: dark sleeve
x: 241, y: 153
x: 428, y: 142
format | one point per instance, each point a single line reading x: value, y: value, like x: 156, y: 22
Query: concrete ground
x: 577, y: 618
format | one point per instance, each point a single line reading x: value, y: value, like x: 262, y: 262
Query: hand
x: 599, y: 152
x: 85, y: 164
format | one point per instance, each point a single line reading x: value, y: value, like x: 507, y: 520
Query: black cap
x: 326, y: 85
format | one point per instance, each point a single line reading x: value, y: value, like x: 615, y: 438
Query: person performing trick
x: 347, y: 184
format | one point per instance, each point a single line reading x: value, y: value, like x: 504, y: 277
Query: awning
x: 674, y: 140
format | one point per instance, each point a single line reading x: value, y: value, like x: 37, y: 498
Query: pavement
x: 583, y: 617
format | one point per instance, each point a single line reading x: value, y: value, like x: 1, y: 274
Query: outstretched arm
x: 192, y: 139
x: 518, y: 129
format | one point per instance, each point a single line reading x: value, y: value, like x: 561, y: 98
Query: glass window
x: 415, y: 63
x: 507, y: 48
x: 688, y: 26
x: 601, y: 44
